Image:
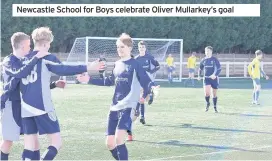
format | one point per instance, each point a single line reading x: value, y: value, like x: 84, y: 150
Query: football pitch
x: 177, y: 126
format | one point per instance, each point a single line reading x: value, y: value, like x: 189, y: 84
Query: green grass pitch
x: 177, y: 126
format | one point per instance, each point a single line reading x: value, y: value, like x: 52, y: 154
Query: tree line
x: 225, y: 34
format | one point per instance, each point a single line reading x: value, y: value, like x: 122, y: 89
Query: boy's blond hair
x: 17, y: 38
x: 42, y: 35
x: 126, y: 39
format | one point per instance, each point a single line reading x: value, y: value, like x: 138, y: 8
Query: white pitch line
x: 201, y: 154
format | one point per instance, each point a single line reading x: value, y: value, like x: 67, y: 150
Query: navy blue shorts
x: 213, y: 82
x: 119, y: 120
x: 44, y: 124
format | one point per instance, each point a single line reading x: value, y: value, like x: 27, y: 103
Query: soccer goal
x: 88, y: 49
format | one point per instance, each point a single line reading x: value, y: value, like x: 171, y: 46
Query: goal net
x: 87, y: 49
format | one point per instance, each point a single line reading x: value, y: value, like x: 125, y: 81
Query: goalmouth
x: 87, y: 49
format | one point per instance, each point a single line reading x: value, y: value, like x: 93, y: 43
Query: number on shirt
x: 31, y: 78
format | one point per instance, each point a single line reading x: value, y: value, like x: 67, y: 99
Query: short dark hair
x: 142, y: 43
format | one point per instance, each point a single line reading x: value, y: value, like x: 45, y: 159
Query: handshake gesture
x: 96, y: 65
x: 92, y: 66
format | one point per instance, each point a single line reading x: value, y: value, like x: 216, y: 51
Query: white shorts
x: 11, y: 121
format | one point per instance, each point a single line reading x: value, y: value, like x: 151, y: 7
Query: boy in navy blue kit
x: 128, y: 77
x: 10, y: 99
x: 11, y: 120
x: 38, y: 113
x: 151, y: 66
x: 212, y: 69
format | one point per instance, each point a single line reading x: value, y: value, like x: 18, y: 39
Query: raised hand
x: 95, y: 65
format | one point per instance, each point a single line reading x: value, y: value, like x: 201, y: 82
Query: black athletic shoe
x: 142, y: 120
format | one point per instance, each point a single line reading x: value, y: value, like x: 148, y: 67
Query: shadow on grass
x: 190, y: 126
x: 246, y: 115
x: 183, y: 144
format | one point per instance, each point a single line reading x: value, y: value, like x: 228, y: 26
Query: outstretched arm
x: 54, y: 65
x: 106, y: 81
x: 24, y: 70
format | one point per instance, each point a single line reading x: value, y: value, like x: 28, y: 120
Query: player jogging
x: 150, y: 65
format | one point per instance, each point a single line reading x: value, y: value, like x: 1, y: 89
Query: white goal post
x: 87, y: 49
